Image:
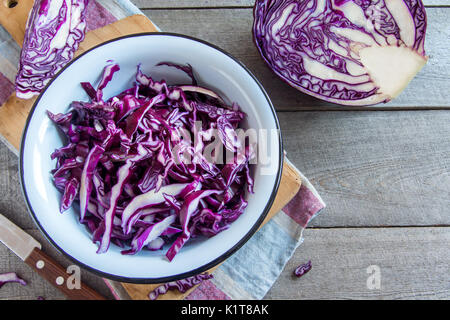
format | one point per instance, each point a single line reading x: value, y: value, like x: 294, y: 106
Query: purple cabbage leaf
x: 181, y: 286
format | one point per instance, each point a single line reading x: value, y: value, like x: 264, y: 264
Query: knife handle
x: 54, y: 273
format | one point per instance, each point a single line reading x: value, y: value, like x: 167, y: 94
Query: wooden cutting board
x: 14, y: 112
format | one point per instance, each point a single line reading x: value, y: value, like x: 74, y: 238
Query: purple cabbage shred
x: 302, y: 269
x: 181, y: 285
x: 11, y: 277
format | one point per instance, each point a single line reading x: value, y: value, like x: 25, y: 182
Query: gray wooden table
x: 384, y: 171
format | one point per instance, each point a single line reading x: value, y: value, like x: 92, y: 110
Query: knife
x: 29, y: 250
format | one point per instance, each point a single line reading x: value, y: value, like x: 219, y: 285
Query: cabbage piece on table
x: 11, y: 277
x: 350, y: 52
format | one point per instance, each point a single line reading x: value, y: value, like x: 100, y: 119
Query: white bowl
x: 214, y: 69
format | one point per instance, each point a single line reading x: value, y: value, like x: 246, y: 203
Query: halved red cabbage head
x: 350, y: 52
x: 53, y: 33
x: 121, y: 163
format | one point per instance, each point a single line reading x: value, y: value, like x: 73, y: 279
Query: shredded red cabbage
x: 124, y: 162
x: 180, y: 285
x: 11, y: 277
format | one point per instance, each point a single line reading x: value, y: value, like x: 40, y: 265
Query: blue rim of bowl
x: 204, y: 267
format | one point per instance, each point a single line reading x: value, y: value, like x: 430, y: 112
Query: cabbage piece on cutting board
x: 54, y: 30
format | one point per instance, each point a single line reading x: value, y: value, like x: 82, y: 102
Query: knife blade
x: 29, y: 250
x: 17, y: 240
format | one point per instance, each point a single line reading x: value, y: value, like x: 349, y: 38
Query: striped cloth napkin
x: 252, y: 270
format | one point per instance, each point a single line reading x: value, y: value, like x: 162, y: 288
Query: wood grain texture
x: 58, y: 276
x: 169, y: 4
x: 231, y: 30
x: 374, y: 168
x: 128, y: 25
x: 13, y: 116
x: 413, y: 264
x: 14, y: 19
x: 289, y: 186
